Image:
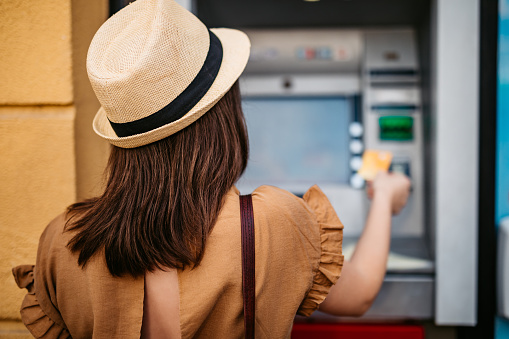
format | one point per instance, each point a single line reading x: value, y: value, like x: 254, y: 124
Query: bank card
x: 374, y: 161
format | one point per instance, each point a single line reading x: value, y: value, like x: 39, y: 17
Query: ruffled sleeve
x: 32, y: 315
x: 329, y: 268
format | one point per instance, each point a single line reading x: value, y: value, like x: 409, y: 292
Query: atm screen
x: 297, y: 141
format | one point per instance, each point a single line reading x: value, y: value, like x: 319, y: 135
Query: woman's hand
x: 363, y: 274
x: 392, y: 186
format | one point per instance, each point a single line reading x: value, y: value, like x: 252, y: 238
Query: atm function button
x: 400, y: 167
x: 310, y: 53
x: 341, y: 54
x: 355, y: 163
x: 356, y: 129
x: 356, y: 181
x: 356, y: 146
x: 306, y: 53
x: 271, y: 54
x: 323, y: 53
x: 300, y: 53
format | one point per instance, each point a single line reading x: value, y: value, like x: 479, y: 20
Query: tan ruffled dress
x: 298, y: 259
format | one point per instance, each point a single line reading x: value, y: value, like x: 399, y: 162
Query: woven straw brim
x: 236, y: 48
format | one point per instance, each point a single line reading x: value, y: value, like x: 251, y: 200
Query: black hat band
x: 184, y: 102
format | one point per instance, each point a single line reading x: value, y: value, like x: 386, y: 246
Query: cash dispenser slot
x: 392, y: 72
x: 401, y: 77
x: 394, y: 107
x: 401, y: 166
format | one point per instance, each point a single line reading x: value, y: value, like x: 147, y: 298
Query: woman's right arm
x: 363, y: 274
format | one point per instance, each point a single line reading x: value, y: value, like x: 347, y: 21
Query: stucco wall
x: 49, y: 154
x: 37, y: 181
x: 92, y: 152
x: 35, y: 53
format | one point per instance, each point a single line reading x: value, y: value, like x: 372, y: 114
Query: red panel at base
x: 356, y: 331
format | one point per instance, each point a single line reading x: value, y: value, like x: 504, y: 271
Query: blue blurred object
x: 502, y: 166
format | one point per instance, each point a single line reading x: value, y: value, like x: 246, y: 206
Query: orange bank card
x: 374, y: 161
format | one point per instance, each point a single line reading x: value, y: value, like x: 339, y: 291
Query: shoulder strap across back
x: 248, y: 263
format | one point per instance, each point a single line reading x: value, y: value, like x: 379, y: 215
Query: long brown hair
x: 161, y: 200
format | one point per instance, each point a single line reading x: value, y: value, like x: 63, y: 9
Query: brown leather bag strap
x: 248, y: 263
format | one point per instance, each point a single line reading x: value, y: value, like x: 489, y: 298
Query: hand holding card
x: 374, y: 161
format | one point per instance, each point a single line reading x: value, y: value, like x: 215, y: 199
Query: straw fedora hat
x: 156, y: 68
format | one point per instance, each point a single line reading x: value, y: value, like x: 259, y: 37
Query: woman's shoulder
x: 57, y: 225
x: 296, y: 234
x: 313, y: 206
x: 274, y: 199
x: 55, y: 236
x: 292, y: 220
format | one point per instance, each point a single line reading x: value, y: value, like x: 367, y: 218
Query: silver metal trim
x: 300, y: 85
x: 456, y: 110
x: 402, y: 297
x: 503, y: 268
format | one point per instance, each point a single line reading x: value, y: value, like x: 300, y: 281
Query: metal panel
x: 391, y: 59
x: 456, y: 121
x: 187, y: 4
x: 402, y: 297
x: 312, y: 51
x: 300, y: 85
x: 503, y: 268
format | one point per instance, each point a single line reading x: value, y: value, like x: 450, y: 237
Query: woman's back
x: 161, y: 305
x: 298, y: 246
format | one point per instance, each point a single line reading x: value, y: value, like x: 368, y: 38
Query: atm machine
x: 379, y: 77
x: 313, y: 101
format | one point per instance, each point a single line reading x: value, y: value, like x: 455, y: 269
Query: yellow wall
x: 49, y: 154
x: 92, y: 151
x: 35, y: 53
